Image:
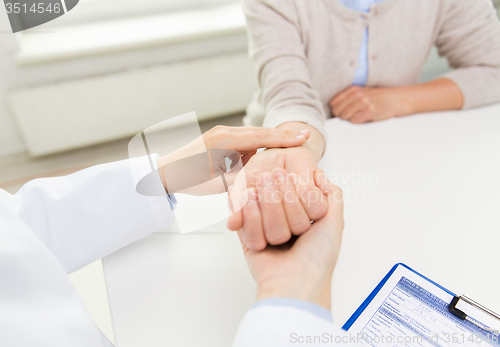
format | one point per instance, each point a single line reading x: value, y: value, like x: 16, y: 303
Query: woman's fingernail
x: 300, y: 136
x: 304, y: 131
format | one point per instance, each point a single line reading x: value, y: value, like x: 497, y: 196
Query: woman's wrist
x: 315, y: 143
x: 437, y: 95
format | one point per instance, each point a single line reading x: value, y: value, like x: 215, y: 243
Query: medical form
x: 409, y: 309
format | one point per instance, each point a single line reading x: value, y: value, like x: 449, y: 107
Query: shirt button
x: 374, y: 56
x: 352, y: 63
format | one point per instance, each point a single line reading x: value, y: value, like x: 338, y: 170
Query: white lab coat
x: 55, y: 226
x: 281, y: 326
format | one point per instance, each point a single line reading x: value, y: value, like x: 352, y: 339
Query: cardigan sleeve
x: 469, y: 37
x: 277, y: 48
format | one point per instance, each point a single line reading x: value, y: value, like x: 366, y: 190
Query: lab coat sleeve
x: 87, y: 215
x: 271, y: 325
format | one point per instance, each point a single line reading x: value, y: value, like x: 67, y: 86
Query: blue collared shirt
x: 361, y: 75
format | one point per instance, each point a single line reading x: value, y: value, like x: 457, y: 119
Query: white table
x: 423, y: 190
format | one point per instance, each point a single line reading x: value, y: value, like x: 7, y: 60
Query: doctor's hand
x: 302, y: 201
x: 302, y: 268
x: 196, y: 168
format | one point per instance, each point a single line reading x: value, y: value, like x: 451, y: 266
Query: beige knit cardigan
x: 305, y: 51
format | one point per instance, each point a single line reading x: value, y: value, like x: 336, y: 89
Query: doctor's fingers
x: 335, y: 197
x: 274, y: 219
x: 238, y: 197
x: 312, y: 199
x: 253, y: 138
x: 252, y: 232
x: 298, y: 220
x: 236, y: 203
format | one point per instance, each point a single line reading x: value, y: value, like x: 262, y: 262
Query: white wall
x: 10, y: 141
x: 14, y: 77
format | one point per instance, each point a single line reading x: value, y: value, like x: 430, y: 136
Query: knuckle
x: 337, y: 189
x: 217, y: 130
x: 357, y: 120
x: 300, y: 226
x: 256, y: 245
x: 318, y: 210
x: 263, y: 135
x: 337, y: 194
x: 279, y: 238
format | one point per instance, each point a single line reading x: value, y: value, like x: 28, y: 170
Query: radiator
x: 73, y: 114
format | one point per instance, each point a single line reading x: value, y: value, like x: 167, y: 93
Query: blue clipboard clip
x: 452, y: 308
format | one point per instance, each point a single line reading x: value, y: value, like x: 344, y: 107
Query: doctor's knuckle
x: 300, y: 225
x: 263, y: 135
x: 278, y: 237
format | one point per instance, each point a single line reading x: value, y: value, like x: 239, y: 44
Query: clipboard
x: 404, y: 294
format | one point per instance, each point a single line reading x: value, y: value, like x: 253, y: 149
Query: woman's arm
x: 277, y: 48
x: 469, y: 37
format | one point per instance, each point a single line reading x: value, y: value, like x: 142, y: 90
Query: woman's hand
x: 364, y: 104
